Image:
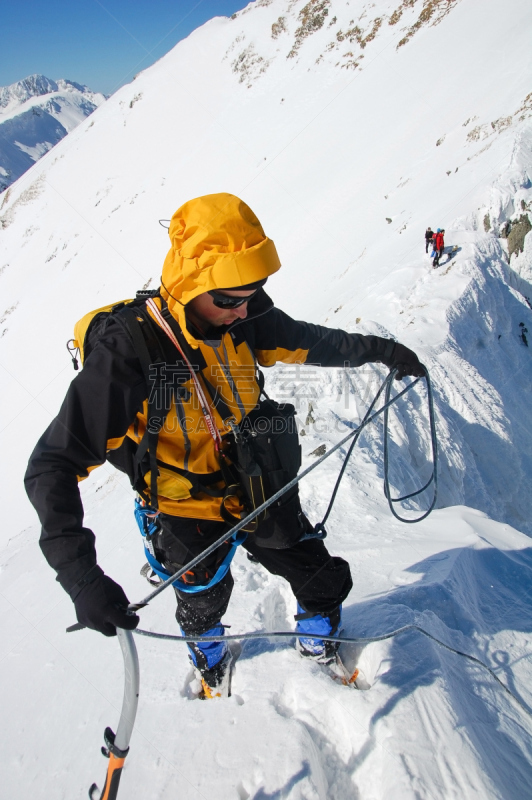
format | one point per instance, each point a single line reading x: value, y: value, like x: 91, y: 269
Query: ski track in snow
x: 324, y: 155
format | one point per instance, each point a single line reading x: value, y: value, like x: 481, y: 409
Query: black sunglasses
x: 224, y: 301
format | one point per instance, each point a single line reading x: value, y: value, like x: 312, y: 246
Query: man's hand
x: 102, y: 606
x: 405, y: 361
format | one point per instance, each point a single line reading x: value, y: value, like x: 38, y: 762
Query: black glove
x: 102, y: 605
x: 406, y: 362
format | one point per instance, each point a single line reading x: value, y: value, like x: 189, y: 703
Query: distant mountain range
x: 35, y: 114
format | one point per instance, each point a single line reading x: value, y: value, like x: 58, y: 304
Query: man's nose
x: 242, y: 311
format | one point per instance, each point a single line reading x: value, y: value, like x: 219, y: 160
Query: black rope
x: 369, y: 417
x: 257, y: 511
x: 434, y: 476
x: 321, y: 525
x: 387, y: 385
x: 346, y: 639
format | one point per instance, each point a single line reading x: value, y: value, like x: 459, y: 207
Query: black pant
x: 319, y: 581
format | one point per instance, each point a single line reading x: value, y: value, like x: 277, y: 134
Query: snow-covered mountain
x: 348, y: 127
x: 35, y: 114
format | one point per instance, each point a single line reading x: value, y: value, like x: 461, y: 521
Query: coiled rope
x: 370, y: 416
x: 319, y: 531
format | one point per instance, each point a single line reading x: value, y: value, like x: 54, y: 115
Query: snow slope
x: 347, y: 144
x: 35, y: 114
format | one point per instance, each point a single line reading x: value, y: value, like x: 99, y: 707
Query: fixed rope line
x: 369, y: 417
x: 133, y: 607
x: 346, y: 639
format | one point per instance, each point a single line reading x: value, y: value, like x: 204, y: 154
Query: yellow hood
x: 217, y: 243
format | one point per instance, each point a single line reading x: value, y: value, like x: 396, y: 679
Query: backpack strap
x: 200, y: 483
x: 148, y: 349
x: 216, y: 400
x: 168, y: 328
x: 128, y: 318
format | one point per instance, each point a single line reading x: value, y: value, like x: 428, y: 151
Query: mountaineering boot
x: 324, y: 653
x: 216, y: 681
x: 212, y: 664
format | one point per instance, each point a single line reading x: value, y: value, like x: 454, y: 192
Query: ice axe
x: 117, y: 745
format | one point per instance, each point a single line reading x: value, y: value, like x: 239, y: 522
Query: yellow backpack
x: 130, y: 458
x: 89, y: 328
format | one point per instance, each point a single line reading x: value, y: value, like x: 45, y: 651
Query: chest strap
x: 205, y: 407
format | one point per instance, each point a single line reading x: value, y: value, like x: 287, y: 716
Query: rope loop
x: 368, y: 417
x: 434, y: 448
x: 320, y: 528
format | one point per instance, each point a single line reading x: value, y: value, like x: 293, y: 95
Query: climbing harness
x: 149, y: 527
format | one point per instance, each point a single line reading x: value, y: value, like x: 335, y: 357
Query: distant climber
x: 438, y: 247
x: 429, y: 233
x: 442, y: 247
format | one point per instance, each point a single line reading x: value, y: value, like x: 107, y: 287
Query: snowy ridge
x: 32, y: 86
x: 345, y: 166
x: 35, y: 114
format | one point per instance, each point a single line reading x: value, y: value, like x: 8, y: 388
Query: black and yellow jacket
x: 107, y: 401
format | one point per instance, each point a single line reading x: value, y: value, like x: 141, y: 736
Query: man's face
x: 203, y: 313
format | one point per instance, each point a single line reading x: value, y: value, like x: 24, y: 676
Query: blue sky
x: 101, y: 43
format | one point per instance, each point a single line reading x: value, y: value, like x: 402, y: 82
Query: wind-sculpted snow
x: 345, y: 167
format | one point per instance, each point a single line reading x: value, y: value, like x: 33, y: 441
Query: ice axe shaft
x: 117, y: 745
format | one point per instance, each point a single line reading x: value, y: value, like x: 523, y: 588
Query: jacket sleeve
x: 99, y: 407
x: 278, y: 337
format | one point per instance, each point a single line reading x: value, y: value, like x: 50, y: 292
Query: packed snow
x: 348, y: 127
